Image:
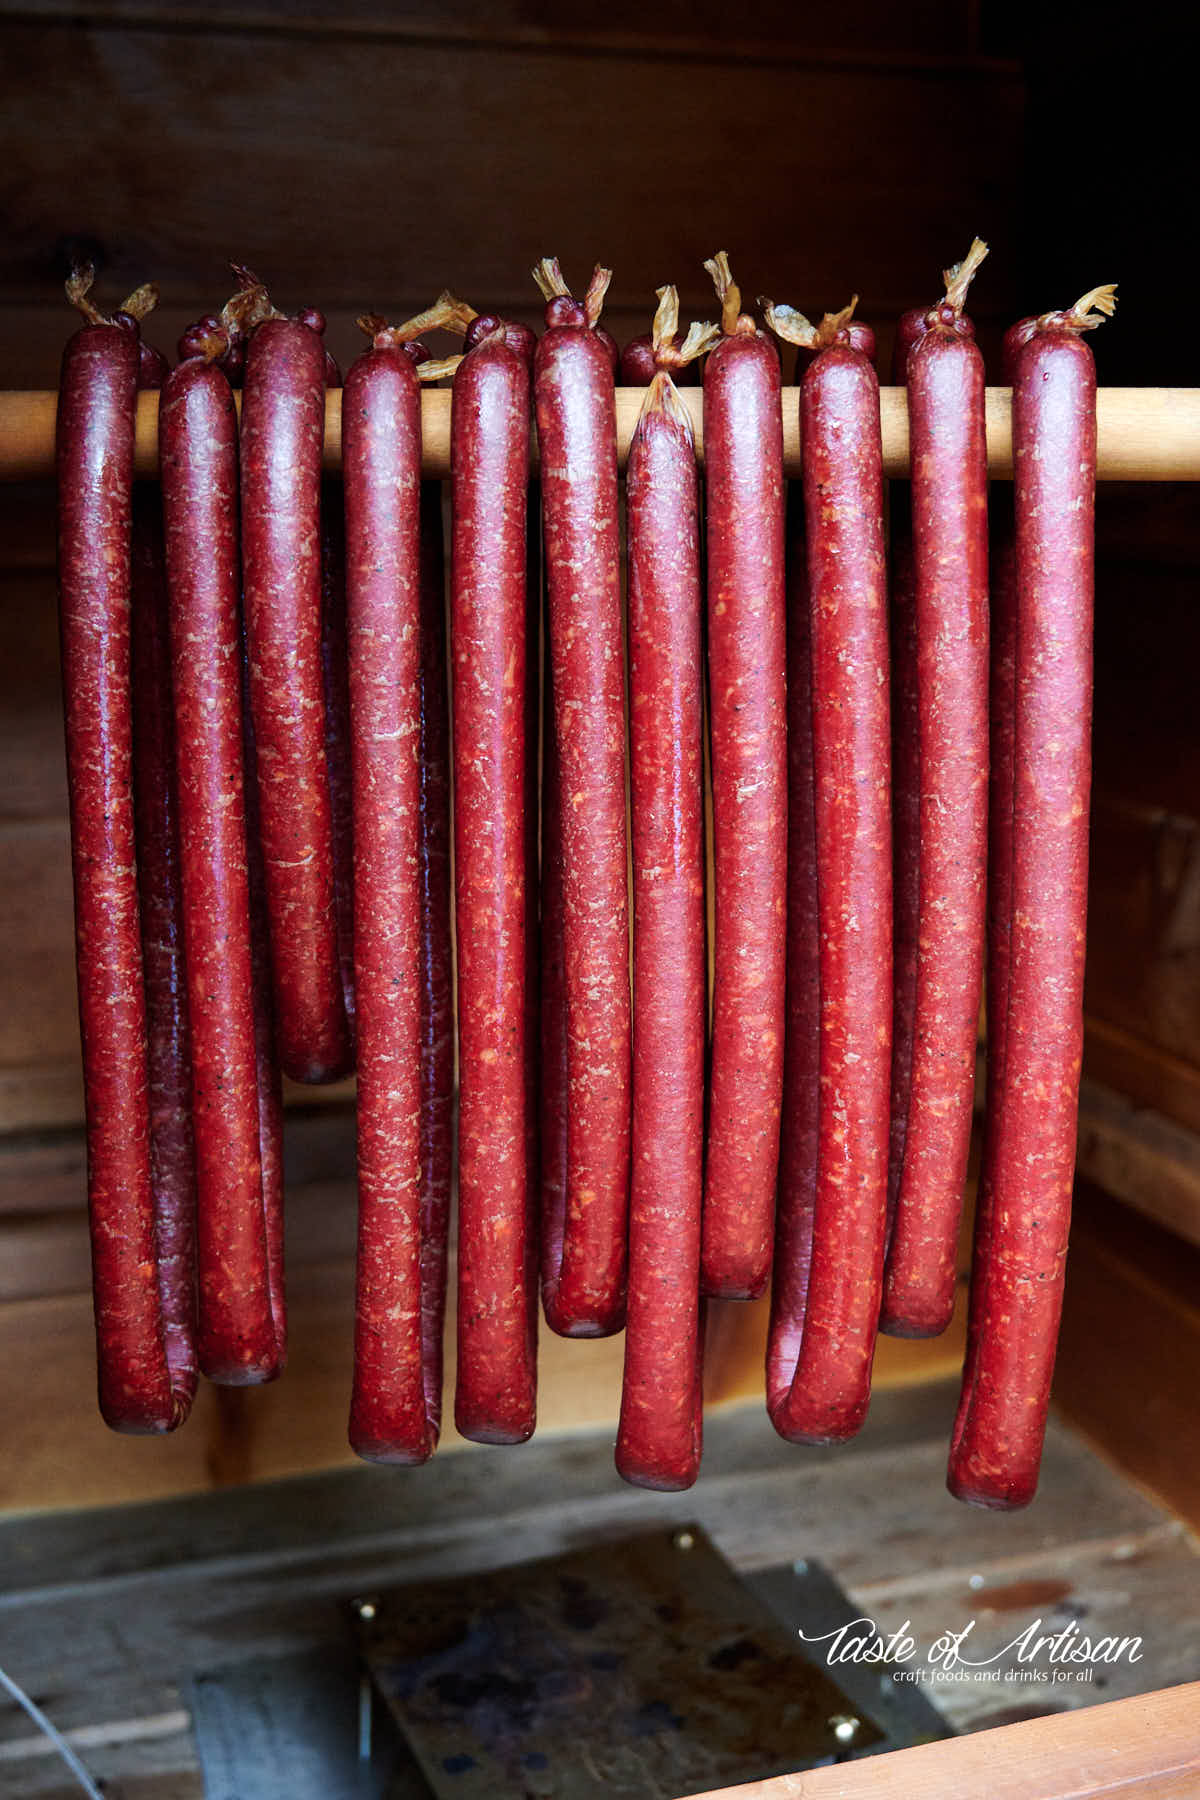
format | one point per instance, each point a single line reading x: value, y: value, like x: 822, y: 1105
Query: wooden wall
x: 360, y: 159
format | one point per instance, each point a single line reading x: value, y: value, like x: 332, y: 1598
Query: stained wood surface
x: 1144, y: 1749
x: 1130, y: 1347
x: 362, y: 161
x: 1140, y: 1157
x: 58, y: 1453
x: 129, y: 1601
x: 941, y: 33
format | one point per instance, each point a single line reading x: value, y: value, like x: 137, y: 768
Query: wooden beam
x: 1129, y: 1347
x: 1140, y: 1157
x: 1146, y: 1748
x: 1144, y: 434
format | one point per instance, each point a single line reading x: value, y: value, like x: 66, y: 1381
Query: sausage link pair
x: 938, y: 985
x: 139, y: 1391
x: 283, y: 421
x: 747, y: 657
x: 824, y: 1396
x: 659, y: 1438
x: 584, y: 1226
x: 242, y: 1320
x: 156, y: 821
x: 496, y: 1384
x: 1021, y: 1246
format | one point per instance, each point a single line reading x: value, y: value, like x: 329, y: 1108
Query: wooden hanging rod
x: 1144, y: 434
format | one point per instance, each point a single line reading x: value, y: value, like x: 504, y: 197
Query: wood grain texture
x: 1130, y: 1347
x: 1140, y: 1157
x: 1143, y: 434
x: 59, y: 1453
x: 256, y: 134
x: 1147, y: 1074
x: 932, y: 32
x: 1143, y: 1748
x: 265, y: 1571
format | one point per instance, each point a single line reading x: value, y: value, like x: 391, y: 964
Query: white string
x: 56, y: 1737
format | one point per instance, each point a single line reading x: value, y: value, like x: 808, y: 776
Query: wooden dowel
x: 1144, y: 434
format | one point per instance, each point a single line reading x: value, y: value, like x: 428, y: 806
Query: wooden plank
x: 48, y: 1096
x: 867, y: 1510
x: 933, y: 31
x: 126, y: 1752
x: 48, y: 1254
x: 39, y: 1020
x: 1146, y: 1073
x: 67, y: 1457
x: 1144, y: 946
x: 1130, y: 1347
x: 341, y: 1505
x: 1144, y: 1748
x: 1123, y: 1590
x: 60, y: 1454
x: 265, y: 1571
x: 42, y: 1096
x: 1143, y: 434
x: 32, y: 760
x: 44, y: 1173
x: 1139, y: 1157
x: 234, y: 124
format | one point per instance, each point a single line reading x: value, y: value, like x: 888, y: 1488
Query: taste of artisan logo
x: 1033, y: 1655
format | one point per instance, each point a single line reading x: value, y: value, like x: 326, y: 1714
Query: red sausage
x: 827, y: 1394
x: 336, y: 688
x: 553, y: 1060
x: 906, y: 780
x: 610, y: 344
x: 437, y: 1006
x: 521, y: 338
x: 495, y: 1394
x: 270, y: 1078
x: 583, y: 1242
x: 659, y: 1440
x: 94, y: 465
x: 933, y: 1059
x: 283, y: 418
x: 1016, y: 1289
x: 802, y: 1034
x: 156, y: 818
x: 241, y: 1331
x: 637, y: 367
x: 911, y: 327
x: 743, y: 448
x: 1002, y: 692
x: 390, y: 1415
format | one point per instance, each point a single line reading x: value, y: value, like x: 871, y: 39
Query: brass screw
x: 684, y: 1540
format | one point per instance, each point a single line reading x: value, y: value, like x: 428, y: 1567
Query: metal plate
x: 805, y: 1597
x: 289, y: 1728
x: 643, y: 1668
